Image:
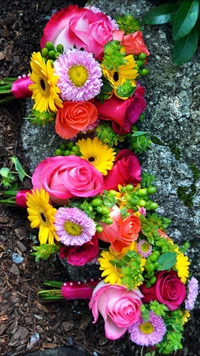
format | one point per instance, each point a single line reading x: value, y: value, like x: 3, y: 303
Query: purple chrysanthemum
x: 192, y: 294
x: 144, y: 248
x: 73, y: 226
x: 148, y: 333
x: 79, y: 75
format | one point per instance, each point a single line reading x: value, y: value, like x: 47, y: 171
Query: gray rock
x: 60, y: 351
x: 172, y: 118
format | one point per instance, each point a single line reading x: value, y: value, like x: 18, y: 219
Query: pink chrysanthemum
x: 148, y: 333
x: 79, y: 75
x: 73, y: 226
x: 144, y: 248
x: 192, y: 294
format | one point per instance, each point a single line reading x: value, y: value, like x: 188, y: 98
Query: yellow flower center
x: 94, y: 159
x: 72, y: 228
x: 144, y: 247
x: 44, y: 86
x: 78, y: 75
x: 146, y: 328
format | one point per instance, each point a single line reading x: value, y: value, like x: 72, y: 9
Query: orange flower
x: 74, y: 117
x: 122, y: 232
x: 132, y: 43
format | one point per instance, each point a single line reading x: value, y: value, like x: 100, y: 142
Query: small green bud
x: 58, y: 152
x: 44, y: 52
x: 60, y: 48
x: 49, y: 46
x: 144, y: 71
x: 142, y: 55
x: 99, y: 228
x: 52, y: 54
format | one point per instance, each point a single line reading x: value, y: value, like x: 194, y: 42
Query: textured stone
x: 172, y: 119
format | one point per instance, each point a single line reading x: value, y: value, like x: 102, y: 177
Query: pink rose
x: 125, y: 170
x: 65, y: 177
x: 122, y: 232
x: 80, y: 255
x: 80, y: 27
x: 122, y: 113
x: 168, y: 290
x: 20, y: 198
x: 133, y: 43
x: 119, y: 307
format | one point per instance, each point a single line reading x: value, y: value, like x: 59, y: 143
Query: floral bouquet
x: 90, y: 202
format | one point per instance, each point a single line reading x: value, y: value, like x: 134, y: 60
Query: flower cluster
x: 90, y: 202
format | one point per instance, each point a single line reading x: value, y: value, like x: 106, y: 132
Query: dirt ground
x: 22, y: 314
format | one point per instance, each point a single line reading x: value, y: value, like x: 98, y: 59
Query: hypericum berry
x: 129, y: 187
x: 66, y: 153
x: 144, y: 71
x: 105, y: 210
x: 58, y: 152
x: 52, y: 54
x: 99, y: 209
x: 70, y: 144
x: 153, y: 280
x: 140, y: 62
x: 142, y: 192
x: 96, y: 202
x: 60, y: 48
x: 108, y: 221
x: 151, y: 190
x: 153, y: 257
x: 153, y: 206
x: 141, y: 202
x: 44, y: 52
x: 49, y: 46
x: 99, y: 228
x: 150, y: 267
x: 142, y: 55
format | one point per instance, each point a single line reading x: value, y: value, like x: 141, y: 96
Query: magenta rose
x: 168, y: 290
x: 125, y: 170
x: 80, y: 255
x: 122, y: 113
x: 20, y: 198
x: 80, y: 27
x: 65, y: 177
x: 119, y: 307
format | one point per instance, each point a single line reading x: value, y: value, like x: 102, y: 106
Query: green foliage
x: 106, y: 134
x: 41, y: 118
x: 113, y: 57
x: 139, y: 141
x: 159, y: 220
x: 184, y: 17
x: 126, y: 89
x: 128, y: 23
x: 7, y: 178
x: 44, y: 251
x: 158, y: 308
x: 147, y: 179
x: 149, y: 229
x: 130, y: 266
x: 21, y: 172
x: 166, y: 261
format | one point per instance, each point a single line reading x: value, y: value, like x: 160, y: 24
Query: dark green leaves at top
x: 185, y: 19
x: 185, y: 48
x: 166, y: 261
x: 161, y: 14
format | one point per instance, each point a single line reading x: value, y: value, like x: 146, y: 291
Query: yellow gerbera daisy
x: 42, y: 215
x: 124, y: 72
x: 45, y: 91
x: 101, y: 156
x: 112, y: 273
x: 182, y: 266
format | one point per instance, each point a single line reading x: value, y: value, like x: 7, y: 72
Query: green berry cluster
x: 139, y: 197
x: 51, y: 52
x: 150, y: 267
x: 67, y: 149
x: 141, y: 61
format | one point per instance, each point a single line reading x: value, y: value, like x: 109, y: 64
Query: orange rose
x: 133, y: 43
x: 74, y: 117
x: 122, y: 232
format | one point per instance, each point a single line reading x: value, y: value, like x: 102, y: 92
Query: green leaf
x: 166, y: 261
x: 138, y: 133
x: 109, y: 201
x: 185, y: 48
x: 161, y: 14
x: 18, y: 168
x: 185, y: 19
x: 4, y: 172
